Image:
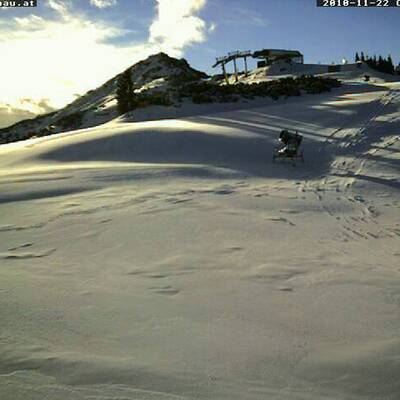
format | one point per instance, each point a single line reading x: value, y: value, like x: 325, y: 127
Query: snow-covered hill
x: 354, y: 72
x: 173, y: 259
x: 157, y: 73
x: 161, y: 74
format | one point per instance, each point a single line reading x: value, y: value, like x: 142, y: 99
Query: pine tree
x: 380, y: 63
x: 390, y: 65
x: 362, y: 57
x: 357, y: 57
x: 125, y: 93
x: 385, y: 66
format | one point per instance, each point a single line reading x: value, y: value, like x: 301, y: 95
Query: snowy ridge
x: 158, y: 72
x: 161, y: 73
x: 354, y: 72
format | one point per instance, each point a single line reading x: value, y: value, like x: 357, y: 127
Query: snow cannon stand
x: 289, y: 147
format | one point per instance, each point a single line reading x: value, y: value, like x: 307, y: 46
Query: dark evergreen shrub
x: 125, y: 95
x: 71, y: 121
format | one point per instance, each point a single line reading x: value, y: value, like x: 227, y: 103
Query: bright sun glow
x: 53, y: 60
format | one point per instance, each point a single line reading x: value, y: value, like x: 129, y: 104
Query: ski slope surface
x: 172, y: 259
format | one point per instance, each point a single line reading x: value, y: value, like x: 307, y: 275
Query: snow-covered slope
x: 163, y: 74
x: 157, y: 73
x: 347, y: 72
x: 174, y: 260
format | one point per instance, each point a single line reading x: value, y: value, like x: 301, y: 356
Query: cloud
x: 103, y: 3
x: 212, y: 27
x: 59, y: 6
x: 57, y: 57
x: 65, y: 53
x: 239, y: 16
x: 23, y: 109
x: 177, y: 25
x: 10, y: 115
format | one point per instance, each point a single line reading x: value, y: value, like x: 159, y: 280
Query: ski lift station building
x: 267, y: 57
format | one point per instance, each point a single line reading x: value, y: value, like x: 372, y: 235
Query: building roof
x: 276, y: 53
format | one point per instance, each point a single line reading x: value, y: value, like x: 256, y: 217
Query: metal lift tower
x: 233, y: 56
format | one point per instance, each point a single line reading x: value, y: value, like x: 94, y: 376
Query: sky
x: 60, y: 49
